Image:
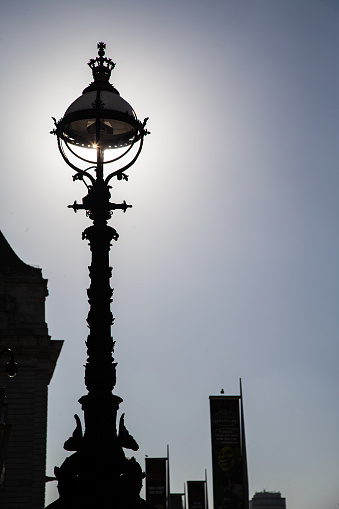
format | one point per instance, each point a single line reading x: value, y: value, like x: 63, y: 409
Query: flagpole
x: 168, y: 481
x: 243, y: 453
x: 206, y: 492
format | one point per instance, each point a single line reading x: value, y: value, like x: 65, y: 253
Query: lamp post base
x: 98, y: 474
x: 101, y: 500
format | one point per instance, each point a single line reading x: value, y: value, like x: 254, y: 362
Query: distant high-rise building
x: 23, y: 329
x: 268, y: 500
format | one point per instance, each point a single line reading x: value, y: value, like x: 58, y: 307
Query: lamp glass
x: 117, y: 121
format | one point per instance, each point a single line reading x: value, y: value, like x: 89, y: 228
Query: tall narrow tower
x: 23, y: 329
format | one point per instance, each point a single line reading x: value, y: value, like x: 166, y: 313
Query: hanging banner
x: 229, y: 490
x: 176, y: 500
x: 196, y: 494
x: 156, y: 482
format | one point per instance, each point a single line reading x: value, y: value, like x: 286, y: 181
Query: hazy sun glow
x: 227, y: 262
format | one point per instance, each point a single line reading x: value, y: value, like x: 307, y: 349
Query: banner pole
x: 168, y: 481
x: 244, y: 453
x: 206, y: 492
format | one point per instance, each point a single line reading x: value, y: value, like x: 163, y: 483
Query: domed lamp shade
x: 100, y: 118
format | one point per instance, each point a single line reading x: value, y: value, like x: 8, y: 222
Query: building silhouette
x: 23, y: 329
x: 268, y: 500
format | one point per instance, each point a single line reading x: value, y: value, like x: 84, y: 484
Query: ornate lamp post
x: 98, y: 474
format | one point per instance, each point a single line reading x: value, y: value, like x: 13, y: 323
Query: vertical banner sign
x: 228, y: 479
x: 196, y: 494
x: 156, y: 482
x: 176, y: 500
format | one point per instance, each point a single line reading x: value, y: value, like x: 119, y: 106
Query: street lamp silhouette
x: 11, y: 370
x: 5, y: 428
x: 100, y: 123
x: 11, y: 365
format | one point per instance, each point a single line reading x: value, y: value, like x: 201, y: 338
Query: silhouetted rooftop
x: 10, y: 260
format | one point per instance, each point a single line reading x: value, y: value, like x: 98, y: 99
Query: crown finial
x: 101, y: 66
x: 101, y: 49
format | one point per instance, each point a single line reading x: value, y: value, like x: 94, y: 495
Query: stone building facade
x: 23, y: 329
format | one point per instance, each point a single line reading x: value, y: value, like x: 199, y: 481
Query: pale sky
x: 226, y: 265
